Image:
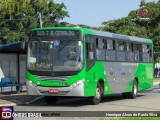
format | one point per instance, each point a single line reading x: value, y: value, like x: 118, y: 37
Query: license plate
x: 53, y: 91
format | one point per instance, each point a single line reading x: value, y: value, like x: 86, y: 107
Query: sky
x: 94, y: 12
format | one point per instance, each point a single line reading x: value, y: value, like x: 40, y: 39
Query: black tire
x: 133, y: 94
x: 125, y: 95
x: 97, y: 98
x: 51, y: 99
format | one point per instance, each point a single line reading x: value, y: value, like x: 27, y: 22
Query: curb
x: 9, y: 104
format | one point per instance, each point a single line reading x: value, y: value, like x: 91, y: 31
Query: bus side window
x: 120, y: 51
x: 100, y: 52
x: 149, y: 51
x: 110, y: 52
x: 120, y: 46
x: 130, y: 53
x: 90, y: 51
x: 138, y: 52
x: 145, y: 50
x: 110, y: 44
x: 90, y: 48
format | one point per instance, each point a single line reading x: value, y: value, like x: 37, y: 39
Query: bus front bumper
x: 77, y: 91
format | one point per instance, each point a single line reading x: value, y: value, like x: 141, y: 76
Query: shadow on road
x: 115, y: 97
x: 75, y: 102
x: 27, y: 100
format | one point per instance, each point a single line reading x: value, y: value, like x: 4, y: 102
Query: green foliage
x: 19, y: 16
x: 139, y: 118
x: 132, y: 25
x: 84, y: 26
x: 143, y: 3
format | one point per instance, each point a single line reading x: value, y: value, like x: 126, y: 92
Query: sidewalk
x: 13, y: 99
x: 156, y: 81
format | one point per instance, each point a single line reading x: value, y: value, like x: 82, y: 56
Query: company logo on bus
x: 145, y: 13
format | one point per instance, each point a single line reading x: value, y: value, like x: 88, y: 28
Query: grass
x: 132, y: 118
x: 139, y: 118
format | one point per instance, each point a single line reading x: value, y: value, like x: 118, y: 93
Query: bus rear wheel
x: 134, y: 92
x: 51, y: 99
x: 97, y: 98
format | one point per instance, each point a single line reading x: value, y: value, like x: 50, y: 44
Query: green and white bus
x: 80, y: 62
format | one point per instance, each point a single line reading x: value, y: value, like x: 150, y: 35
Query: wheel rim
x: 135, y: 89
x: 98, y: 93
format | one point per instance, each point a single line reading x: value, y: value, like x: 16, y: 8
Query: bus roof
x: 100, y: 33
x: 121, y: 37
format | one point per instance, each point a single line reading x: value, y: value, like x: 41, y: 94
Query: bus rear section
x: 118, y: 64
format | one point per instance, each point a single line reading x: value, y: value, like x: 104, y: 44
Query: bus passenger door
x: 90, y: 61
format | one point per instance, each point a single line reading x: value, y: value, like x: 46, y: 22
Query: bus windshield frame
x: 55, y: 54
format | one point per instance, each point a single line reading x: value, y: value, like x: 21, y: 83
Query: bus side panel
x: 145, y: 76
x: 101, y: 75
x: 95, y: 74
x: 120, y: 75
x: 129, y: 88
x: 90, y: 82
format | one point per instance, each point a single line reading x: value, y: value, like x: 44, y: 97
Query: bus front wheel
x: 97, y: 98
x: 51, y: 99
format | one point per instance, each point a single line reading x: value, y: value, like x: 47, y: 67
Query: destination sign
x: 56, y: 33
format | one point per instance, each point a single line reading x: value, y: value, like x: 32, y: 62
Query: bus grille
x: 47, y: 93
x: 53, y: 78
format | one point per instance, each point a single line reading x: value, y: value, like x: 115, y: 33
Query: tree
x: 143, y: 3
x: 19, y: 16
x: 133, y: 26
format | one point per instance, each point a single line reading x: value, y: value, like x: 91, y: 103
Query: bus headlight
x: 77, y: 83
x: 31, y: 83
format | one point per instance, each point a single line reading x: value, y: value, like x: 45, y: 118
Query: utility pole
x: 40, y: 19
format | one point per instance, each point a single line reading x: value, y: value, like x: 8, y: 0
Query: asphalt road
x: 148, y: 100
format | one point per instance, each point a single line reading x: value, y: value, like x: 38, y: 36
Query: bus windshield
x: 55, y: 55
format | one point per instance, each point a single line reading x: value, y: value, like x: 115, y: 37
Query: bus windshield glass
x: 55, y: 55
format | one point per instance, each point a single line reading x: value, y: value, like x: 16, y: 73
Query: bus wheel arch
x: 94, y: 100
x: 101, y: 82
x: 136, y: 80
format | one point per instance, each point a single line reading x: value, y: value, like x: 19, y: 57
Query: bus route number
x: 62, y: 83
